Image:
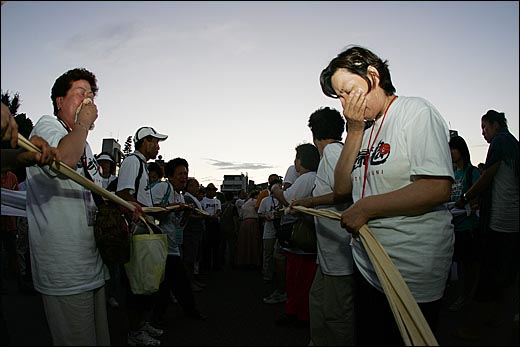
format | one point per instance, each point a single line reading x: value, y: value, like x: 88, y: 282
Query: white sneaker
x: 141, y: 338
x: 152, y: 331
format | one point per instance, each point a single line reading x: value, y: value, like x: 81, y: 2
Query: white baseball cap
x: 105, y: 157
x: 143, y: 132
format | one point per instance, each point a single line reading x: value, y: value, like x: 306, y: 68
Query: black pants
x: 498, y: 264
x: 375, y: 322
x: 176, y: 280
x: 211, y: 259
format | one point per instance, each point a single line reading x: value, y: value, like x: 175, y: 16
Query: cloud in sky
x: 238, y: 80
x: 226, y: 165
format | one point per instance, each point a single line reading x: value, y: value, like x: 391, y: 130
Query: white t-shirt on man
x: 334, y: 251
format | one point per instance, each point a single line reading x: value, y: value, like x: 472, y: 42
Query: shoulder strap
x: 139, y: 174
x: 166, y: 196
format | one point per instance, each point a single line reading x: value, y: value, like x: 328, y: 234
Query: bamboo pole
x: 85, y: 182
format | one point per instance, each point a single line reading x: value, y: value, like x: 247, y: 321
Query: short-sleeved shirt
x: 64, y: 256
x: 300, y: 189
x: 267, y: 207
x: 128, y: 172
x: 291, y: 175
x: 504, y: 212
x: 169, y: 223
x: 413, y: 141
x: 334, y: 251
x: 211, y: 205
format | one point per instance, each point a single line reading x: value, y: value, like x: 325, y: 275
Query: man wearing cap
x: 133, y: 186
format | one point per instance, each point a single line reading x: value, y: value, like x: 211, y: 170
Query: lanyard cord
x: 370, y: 145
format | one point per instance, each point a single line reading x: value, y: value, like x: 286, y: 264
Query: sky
x: 233, y: 83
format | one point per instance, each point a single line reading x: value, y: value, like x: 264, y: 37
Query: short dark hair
x: 356, y: 60
x: 190, y: 180
x: 64, y: 82
x: 309, y: 156
x: 493, y: 116
x: 171, y: 165
x: 156, y: 167
x: 274, y: 178
x: 327, y: 123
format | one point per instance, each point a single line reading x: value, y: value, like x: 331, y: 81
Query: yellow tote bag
x: 148, y: 253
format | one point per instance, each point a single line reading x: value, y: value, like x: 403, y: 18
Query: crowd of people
x: 397, y: 171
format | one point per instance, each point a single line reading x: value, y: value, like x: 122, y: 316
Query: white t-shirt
x: 413, y: 141
x: 128, y: 173
x: 291, y: 175
x: 239, y: 203
x: 248, y: 209
x: 300, y: 189
x: 334, y: 251
x: 64, y: 256
x: 211, y: 205
x: 266, y: 208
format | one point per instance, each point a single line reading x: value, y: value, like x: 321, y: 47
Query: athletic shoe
x: 200, y: 284
x: 173, y: 298
x: 276, y: 298
x: 196, y: 288
x: 141, y: 338
x: 152, y: 331
x: 113, y: 302
x: 457, y: 304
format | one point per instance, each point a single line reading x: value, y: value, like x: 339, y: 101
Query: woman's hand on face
x: 88, y: 113
x: 354, y: 106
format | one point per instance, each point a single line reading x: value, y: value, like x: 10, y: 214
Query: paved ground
x: 236, y: 317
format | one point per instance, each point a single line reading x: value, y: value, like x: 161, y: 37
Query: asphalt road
x: 236, y: 317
